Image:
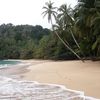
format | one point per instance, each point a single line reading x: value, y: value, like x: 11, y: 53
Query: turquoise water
x: 5, y: 63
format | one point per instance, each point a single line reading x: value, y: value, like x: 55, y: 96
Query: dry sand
x: 73, y: 74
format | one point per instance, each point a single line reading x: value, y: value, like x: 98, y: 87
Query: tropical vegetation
x: 75, y: 34
x: 81, y: 25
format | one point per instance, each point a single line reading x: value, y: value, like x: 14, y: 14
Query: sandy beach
x: 75, y: 75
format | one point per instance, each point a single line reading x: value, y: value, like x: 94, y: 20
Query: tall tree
x: 50, y: 10
x: 68, y: 21
x: 86, y: 16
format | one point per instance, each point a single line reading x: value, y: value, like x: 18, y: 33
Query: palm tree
x: 50, y: 11
x: 96, y: 27
x: 88, y: 23
x: 68, y: 21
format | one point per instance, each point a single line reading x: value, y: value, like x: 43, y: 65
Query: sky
x: 29, y: 12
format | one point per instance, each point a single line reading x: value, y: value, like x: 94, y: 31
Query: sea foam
x: 11, y: 89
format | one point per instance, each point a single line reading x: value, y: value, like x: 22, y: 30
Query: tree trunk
x: 66, y: 44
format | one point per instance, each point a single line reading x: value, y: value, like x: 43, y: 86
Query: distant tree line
x: 30, y: 42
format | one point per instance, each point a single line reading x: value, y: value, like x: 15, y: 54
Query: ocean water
x: 7, y: 63
x: 11, y: 89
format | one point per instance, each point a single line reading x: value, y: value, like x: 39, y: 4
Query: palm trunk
x: 66, y: 44
x: 74, y: 39
x: 72, y: 21
x: 77, y: 43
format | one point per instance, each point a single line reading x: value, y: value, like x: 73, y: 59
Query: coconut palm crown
x: 50, y: 11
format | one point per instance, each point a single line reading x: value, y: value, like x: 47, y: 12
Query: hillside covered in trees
x: 75, y: 34
x: 27, y: 42
x: 20, y: 41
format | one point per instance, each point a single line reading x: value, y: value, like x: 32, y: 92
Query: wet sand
x: 75, y: 75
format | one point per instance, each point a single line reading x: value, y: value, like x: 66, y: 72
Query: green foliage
x: 77, y: 33
x: 87, y: 18
x: 20, y: 41
x: 64, y: 17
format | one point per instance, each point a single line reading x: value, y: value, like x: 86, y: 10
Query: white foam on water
x: 11, y: 89
x: 4, y: 65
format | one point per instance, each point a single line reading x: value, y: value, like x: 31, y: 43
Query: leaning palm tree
x: 50, y: 11
x: 65, y: 16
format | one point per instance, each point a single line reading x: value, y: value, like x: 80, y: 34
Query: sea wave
x: 11, y: 89
x: 3, y: 65
x: 8, y: 63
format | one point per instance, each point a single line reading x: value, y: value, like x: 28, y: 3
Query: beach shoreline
x: 75, y: 75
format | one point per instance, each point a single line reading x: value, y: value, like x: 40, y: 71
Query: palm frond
x: 45, y: 13
x: 44, y: 8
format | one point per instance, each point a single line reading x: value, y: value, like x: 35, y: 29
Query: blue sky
x: 26, y: 11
